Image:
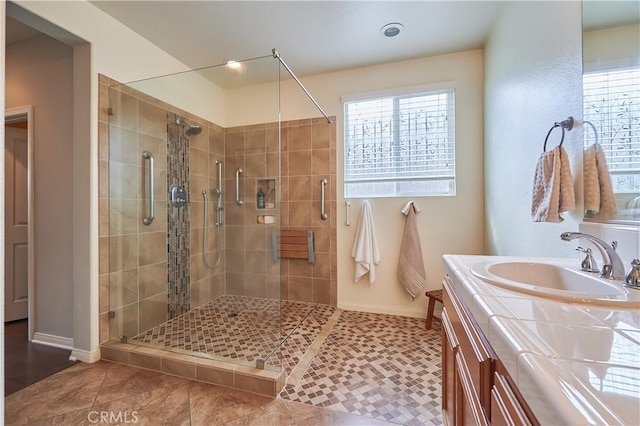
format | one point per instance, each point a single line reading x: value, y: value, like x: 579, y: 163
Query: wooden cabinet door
x: 449, y: 347
x: 471, y: 342
x: 505, y: 408
x: 469, y: 410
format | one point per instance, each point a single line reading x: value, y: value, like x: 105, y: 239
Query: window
x: 400, y: 146
x: 612, y: 104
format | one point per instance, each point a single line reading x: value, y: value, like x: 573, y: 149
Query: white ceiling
x: 315, y: 36
x: 311, y: 36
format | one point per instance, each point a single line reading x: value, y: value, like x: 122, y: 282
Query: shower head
x: 192, y: 130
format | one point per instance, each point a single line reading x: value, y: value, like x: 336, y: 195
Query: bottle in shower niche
x: 260, y: 199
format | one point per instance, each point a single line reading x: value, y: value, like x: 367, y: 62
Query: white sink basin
x: 557, y: 281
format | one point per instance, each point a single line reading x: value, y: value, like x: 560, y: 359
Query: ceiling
x: 597, y: 15
x: 312, y: 36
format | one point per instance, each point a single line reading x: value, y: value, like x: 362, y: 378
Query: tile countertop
x: 573, y: 363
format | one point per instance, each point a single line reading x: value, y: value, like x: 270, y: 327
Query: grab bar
x: 219, y: 165
x: 323, y: 214
x: 238, y: 200
x: 149, y: 218
x: 347, y: 221
x: 218, y: 192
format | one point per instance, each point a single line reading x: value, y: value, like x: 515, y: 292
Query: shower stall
x: 196, y: 218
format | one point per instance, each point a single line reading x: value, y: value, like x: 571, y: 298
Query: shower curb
x: 262, y: 382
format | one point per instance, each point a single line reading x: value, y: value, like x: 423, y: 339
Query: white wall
x: 533, y: 78
x: 447, y: 224
x: 39, y: 72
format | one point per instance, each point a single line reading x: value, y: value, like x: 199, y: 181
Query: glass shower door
x: 191, y: 261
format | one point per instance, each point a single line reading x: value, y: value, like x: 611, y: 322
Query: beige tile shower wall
x: 204, y: 150
x: 133, y: 267
x: 250, y: 270
x: 308, y: 156
x: 136, y: 253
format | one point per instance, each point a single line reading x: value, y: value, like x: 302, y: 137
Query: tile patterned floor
x: 106, y: 393
x: 243, y: 329
x: 379, y: 366
x: 370, y: 369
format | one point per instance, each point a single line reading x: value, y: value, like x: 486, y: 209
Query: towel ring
x: 595, y: 132
x: 544, y: 148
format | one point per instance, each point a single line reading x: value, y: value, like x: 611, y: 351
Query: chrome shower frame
x: 277, y: 56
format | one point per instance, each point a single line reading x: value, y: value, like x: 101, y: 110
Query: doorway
x: 25, y: 362
x: 19, y: 259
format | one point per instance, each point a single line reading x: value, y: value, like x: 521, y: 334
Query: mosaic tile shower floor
x: 243, y: 329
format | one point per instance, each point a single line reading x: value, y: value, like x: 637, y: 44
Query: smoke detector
x: 392, y: 29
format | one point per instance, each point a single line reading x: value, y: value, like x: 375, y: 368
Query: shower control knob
x: 178, y: 196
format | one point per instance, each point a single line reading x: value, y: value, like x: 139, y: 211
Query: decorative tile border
x: 178, y: 221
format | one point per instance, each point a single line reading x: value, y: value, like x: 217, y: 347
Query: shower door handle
x: 323, y: 214
x: 238, y: 200
x: 149, y: 218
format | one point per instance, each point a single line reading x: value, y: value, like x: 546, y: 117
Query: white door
x: 16, y: 223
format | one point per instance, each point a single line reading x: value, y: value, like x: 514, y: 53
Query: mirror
x: 611, y: 111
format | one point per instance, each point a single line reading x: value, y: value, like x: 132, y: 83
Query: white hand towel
x: 608, y: 209
x: 552, y: 187
x: 365, y: 246
x: 411, y: 272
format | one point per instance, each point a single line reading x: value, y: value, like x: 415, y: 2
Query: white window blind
x: 612, y: 104
x: 400, y: 145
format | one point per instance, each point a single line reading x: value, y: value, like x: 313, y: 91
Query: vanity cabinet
x: 475, y: 389
x: 505, y: 408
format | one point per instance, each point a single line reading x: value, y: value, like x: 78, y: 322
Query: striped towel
x: 411, y: 272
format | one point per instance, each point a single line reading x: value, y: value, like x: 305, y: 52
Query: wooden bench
x: 434, y: 296
x: 292, y: 245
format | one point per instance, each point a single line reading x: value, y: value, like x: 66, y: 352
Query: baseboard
x: 85, y: 356
x: 389, y: 310
x: 51, y: 340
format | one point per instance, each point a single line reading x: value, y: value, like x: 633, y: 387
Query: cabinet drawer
x: 473, y: 347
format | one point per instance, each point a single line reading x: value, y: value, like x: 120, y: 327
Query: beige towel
x: 411, y: 272
x: 591, y: 184
x: 608, y: 209
x: 552, y: 187
x: 365, y: 251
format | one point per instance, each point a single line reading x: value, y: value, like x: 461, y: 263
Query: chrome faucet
x: 612, y: 267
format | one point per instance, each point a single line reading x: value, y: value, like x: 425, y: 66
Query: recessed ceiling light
x: 392, y: 29
x: 232, y: 64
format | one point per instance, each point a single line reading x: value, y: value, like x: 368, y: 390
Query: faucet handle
x: 633, y: 277
x: 588, y: 263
